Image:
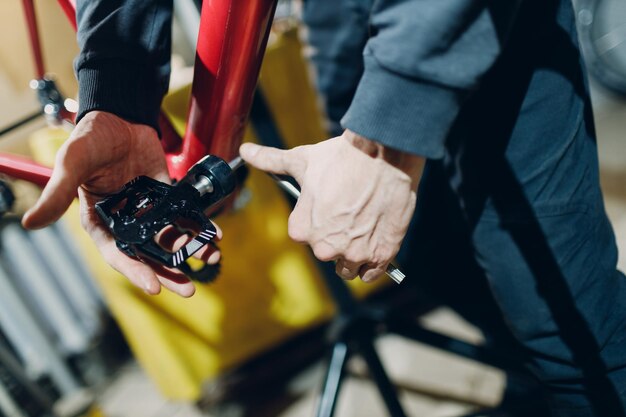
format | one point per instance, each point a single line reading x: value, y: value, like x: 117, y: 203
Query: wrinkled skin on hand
x: 357, y: 199
x: 103, y: 153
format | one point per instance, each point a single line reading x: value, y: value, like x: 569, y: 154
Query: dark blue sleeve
x: 337, y: 31
x: 124, y: 61
x: 422, y: 60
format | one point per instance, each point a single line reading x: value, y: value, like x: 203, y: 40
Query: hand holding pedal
x: 145, y: 206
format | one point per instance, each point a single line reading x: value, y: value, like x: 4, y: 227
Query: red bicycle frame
x: 231, y: 44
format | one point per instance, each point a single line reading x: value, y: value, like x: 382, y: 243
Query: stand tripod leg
x: 332, y: 382
x: 378, y: 374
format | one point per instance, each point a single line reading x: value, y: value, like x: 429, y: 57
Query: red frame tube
x: 33, y: 33
x: 231, y: 44
x: 69, y: 7
x: 24, y: 169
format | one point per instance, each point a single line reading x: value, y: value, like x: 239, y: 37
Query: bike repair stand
x: 353, y: 330
x: 357, y: 325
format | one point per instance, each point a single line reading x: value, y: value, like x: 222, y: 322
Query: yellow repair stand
x: 268, y: 289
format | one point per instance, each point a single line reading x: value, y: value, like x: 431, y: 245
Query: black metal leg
x: 377, y: 372
x: 332, y: 382
x: 349, y: 310
x: 413, y: 331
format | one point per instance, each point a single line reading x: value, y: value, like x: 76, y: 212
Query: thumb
x: 277, y: 161
x: 58, y: 193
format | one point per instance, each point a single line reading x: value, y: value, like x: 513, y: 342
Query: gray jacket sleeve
x: 124, y: 61
x: 422, y: 61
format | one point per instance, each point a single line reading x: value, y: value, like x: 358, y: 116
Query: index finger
x: 277, y: 161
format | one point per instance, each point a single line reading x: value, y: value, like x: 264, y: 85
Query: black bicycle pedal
x: 144, y: 207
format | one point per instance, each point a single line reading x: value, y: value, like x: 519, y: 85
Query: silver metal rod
x: 287, y: 186
x: 49, y: 246
x: 203, y: 185
x: 43, y: 289
x: 392, y: 271
x: 33, y: 344
x: 236, y: 163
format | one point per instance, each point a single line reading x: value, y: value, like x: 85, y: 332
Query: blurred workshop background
x: 76, y: 339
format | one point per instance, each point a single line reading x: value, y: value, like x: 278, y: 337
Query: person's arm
x: 359, y: 189
x: 336, y: 32
x: 124, y: 62
x: 357, y: 199
x: 123, y: 71
x: 422, y: 61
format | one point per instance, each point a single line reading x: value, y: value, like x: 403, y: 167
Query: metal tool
x: 286, y: 185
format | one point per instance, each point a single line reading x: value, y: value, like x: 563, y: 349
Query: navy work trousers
x: 510, y: 228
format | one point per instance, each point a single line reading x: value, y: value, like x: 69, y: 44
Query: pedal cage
x: 144, y: 207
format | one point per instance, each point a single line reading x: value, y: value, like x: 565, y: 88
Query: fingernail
x: 149, y: 287
x: 248, y: 150
x: 188, y: 293
x: 26, y: 222
x: 214, y: 258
